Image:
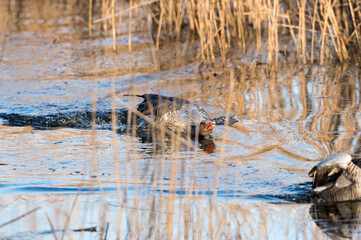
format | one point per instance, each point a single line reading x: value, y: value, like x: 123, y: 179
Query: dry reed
x: 177, y: 216
x: 220, y: 26
x: 320, y: 30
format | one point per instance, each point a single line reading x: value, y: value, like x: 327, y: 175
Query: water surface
x: 250, y: 181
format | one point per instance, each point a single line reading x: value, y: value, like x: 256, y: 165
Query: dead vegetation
x: 315, y: 31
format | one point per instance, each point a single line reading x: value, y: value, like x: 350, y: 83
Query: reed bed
x: 314, y: 31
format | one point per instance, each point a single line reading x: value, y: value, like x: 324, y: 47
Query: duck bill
x: 210, y: 125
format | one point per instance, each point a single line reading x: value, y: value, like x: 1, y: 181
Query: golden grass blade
x: 20, y: 217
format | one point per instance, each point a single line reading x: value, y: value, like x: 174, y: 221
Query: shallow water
x: 244, y: 183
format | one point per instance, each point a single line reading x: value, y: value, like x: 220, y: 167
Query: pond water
x: 249, y: 181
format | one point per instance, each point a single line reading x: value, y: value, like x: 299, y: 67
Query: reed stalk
x: 334, y: 27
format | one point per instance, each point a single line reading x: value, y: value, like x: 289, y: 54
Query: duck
x: 177, y: 114
x: 337, y: 178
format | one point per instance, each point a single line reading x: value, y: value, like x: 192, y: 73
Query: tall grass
x: 316, y: 30
x: 291, y: 95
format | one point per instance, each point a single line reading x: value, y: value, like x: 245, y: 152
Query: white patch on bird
x: 320, y: 189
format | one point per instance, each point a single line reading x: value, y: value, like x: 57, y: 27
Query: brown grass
x: 315, y: 30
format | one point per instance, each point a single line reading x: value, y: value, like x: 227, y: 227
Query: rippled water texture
x: 249, y: 182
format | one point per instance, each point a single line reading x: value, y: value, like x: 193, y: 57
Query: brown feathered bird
x: 177, y: 114
x: 337, y: 178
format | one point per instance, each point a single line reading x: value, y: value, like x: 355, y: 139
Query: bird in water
x: 337, y: 178
x: 177, y: 114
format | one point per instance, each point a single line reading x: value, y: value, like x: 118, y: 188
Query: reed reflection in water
x: 237, y: 188
x: 168, y: 188
x: 87, y: 217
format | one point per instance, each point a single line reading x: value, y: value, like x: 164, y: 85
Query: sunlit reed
x: 322, y: 30
x: 168, y: 201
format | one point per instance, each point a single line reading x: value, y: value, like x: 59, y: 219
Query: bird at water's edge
x: 337, y: 178
x: 177, y: 114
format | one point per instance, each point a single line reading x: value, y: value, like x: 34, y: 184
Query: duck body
x: 177, y: 114
x: 337, y: 178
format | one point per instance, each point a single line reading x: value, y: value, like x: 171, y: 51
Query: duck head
x: 206, y: 128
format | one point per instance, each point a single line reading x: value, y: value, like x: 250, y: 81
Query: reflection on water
x: 234, y: 185
x: 191, y: 217
x: 170, y: 142
x: 338, y: 220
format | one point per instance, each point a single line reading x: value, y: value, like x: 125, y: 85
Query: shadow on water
x: 297, y: 193
x: 338, y: 220
x: 162, y: 142
x: 102, y: 120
